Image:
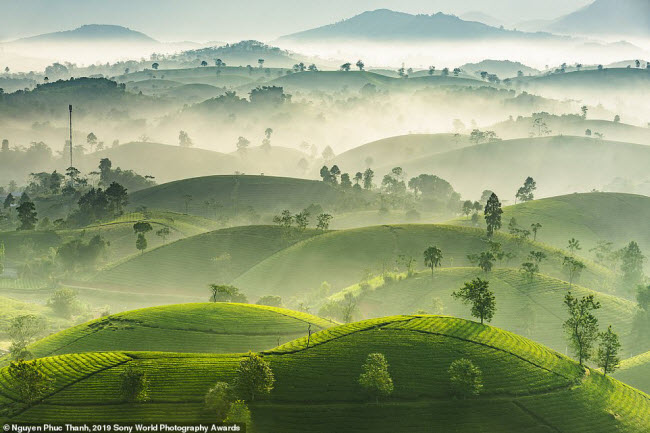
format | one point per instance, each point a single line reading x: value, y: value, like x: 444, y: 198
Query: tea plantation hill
x: 635, y: 371
x: 343, y: 257
x: 589, y: 217
x: 527, y: 387
x: 533, y: 309
x: 195, y: 328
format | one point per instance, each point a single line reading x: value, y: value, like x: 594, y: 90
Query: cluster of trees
x: 333, y: 176
x: 301, y: 220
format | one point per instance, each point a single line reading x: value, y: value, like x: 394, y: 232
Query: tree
x: 302, y: 220
x: 492, y: 214
x: 432, y: 70
x: 91, y: 139
x: 184, y: 139
x: 348, y: 307
x: 163, y: 233
x: 465, y: 377
x: 10, y: 200
x: 141, y: 243
x: 328, y: 153
x: 323, y: 221
x: 368, y: 175
x: 134, y: 385
x: 584, y: 109
x: 529, y: 270
x: 468, y: 207
x: 155, y: 66
x: 224, y: 293
x: 346, y: 66
x: 218, y: 400
x: 607, y: 357
x: 375, y: 378
x: 632, y: 260
x: 617, y: 119
x: 242, y: 145
x: 22, y: 331
x: 254, y: 377
x: 574, y: 245
x: 204, y: 63
x: 432, y: 258
x: 284, y: 220
x: 29, y: 380
x: 526, y: 192
x: 360, y: 65
x: 117, y: 197
x: 346, y: 183
x: 260, y: 62
x: 534, y: 227
x: 582, y: 326
x: 573, y: 267
x: 477, y: 293
x: 486, y: 260
x: 270, y: 300
x: 27, y: 215
x: 64, y: 302
x: 239, y: 414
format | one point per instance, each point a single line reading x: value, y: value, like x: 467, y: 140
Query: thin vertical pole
x: 70, y: 108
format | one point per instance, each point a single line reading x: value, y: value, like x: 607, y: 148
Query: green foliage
x: 632, y: 260
x: 492, y: 214
x: 142, y: 227
x: 477, y: 294
x: 254, y: 377
x: 271, y: 301
x: 432, y: 258
x: 581, y: 326
x: 27, y: 215
x: 608, y: 351
x: 465, y: 377
x: 225, y: 293
x: 375, y: 378
x: 218, y: 400
x: 526, y: 192
x: 23, y: 330
x: 323, y: 221
x: 134, y: 385
x: 344, y: 309
x: 141, y: 242
x: 239, y: 414
x: 30, y: 382
x: 64, y: 302
x: 573, y: 268
x: 75, y: 254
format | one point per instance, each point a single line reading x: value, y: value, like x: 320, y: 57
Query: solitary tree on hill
x: 492, y: 214
x: 432, y: 258
x: 323, y: 221
x: 375, y: 378
x: 346, y: 66
x: 465, y: 377
x: 478, y: 294
x: 27, y: 215
x: 155, y: 66
x: 581, y: 326
x: 574, y: 245
x: 135, y: 385
x: 608, y: 351
x: 254, y: 377
x: 526, y: 192
x: 534, y: 227
x: 573, y: 267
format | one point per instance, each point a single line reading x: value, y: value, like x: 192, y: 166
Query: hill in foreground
x: 527, y: 387
x: 198, y: 328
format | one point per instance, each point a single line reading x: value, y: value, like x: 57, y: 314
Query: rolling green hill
x: 197, y: 328
x: 165, y: 162
x: 534, y: 308
x: 636, y: 371
x: 262, y: 193
x: 560, y: 165
x: 527, y: 387
x: 387, y: 151
x: 591, y: 217
x: 343, y: 257
x: 188, y: 266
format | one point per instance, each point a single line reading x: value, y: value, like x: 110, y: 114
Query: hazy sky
x: 203, y: 20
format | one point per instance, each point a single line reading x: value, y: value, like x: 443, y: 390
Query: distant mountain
x: 482, y: 17
x: 612, y: 17
x: 242, y: 53
x: 502, y: 68
x: 384, y: 24
x: 92, y: 33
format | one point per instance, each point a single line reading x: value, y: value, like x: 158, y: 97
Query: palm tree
x: 432, y: 258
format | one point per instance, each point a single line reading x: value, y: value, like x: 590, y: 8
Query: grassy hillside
x: 165, y: 162
x: 592, y: 217
x: 198, y: 328
x: 560, y: 165
x: 534, y: 308
x: 636, y: 372
x: 527, y: 387
x: 343, y: 257
x: 400, y: 148
x: 188, y: 266
x: 262, y: 193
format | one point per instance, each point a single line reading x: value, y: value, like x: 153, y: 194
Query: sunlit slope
x: 527, y: 387
x: 209, y: 327
x: 534, y: 308
x: 591, y: 217
x: 262, y: 193
x: 343, y: 257
x: 165, y: 162
x: 560, y: 165
x: 636, y: 372
x: 394, y: 150
x: 188, y: 266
